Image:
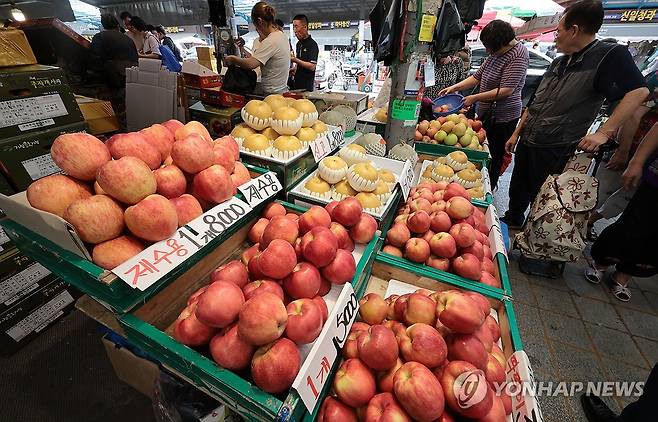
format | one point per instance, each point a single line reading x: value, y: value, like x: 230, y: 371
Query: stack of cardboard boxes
x: 151, y: 95
x: 31, y: 297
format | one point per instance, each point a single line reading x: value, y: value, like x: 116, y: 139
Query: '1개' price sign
x: 406, y: 179
x: 261, y: 188
x: 314, y: 373
x: 156, y: 261
x: 321, y: 147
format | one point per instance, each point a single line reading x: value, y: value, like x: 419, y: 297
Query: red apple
x: 417, y: 250
x: 249, y: 253
x: 279, y: 227
x: 428, y: 236
x: 440, y: 221
x: 347, y: 212
x: 419, y: 222
x: 392, y: 250
x: 455, y: 189
x: 373, y: 308
x: 189, y: 330
x: 398, y: 235
x: 354, y: 384
x: 257, y: 229
x: 475, y: 249
x: 323, y: 307
x: 493, y: 326
x: 262, y: 319
x: 421, y: 204
x: 258, y: 287
x: 275, y: 366
x: 316, y: 216
x: 458, y: 208
x: 364, y: 230
x: 333, y: 410
x: 419, y: 391
x: 422, y: 343
x: 488, y: 265
x: 467, y: 266
x: 303, y: 282
x: 459, y: 312
x: 342, y: 269
x: 194, y: 297
x: 383, y: 408
x: 330, y: 207
x: 230, y: 351
x: 385, y: 378
x: 234, y: 272
x: 319, y: 246
x: 463, y: 234
x: 494, y: 371
x: 442, y: 264
x: 278, y: 259
x: 489, y: 280
x: 468, y: 348
x: 304, y: 321
x: 342, y: 236
x: 272, y: 209
x: 378, y: 348
x: 419, y: 309
x: 220, y: 304
x: 466, y: 390
x: 443, y: 245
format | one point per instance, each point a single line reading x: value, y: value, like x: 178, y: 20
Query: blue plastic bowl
x: 454, y: 101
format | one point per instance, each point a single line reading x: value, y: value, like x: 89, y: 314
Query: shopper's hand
x: 511, y: 144
x: 618, y: 161
x: 446, y: 91
x: 229, y: 60
x: 592, y: 142
x: 469, y: 100
x: 632, y: 176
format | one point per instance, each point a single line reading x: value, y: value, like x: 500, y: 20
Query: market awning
x: 524, y: 8
x: 490, y: 15
x: 538, y: 26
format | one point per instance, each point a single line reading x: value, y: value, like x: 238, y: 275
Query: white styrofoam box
x: 148, y: 78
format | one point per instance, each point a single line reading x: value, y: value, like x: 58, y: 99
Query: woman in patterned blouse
x: 447, y: 72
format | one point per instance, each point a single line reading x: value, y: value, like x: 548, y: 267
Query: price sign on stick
x: 156, y: 261
x: 406, y: 179
x: 261, y: 188
x: 314, y: 373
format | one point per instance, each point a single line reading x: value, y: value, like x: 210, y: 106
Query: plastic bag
x: 470, y: 10
x: 177, y: 401
x: 239, y: 81
x: 385, y: 24
x: 450, y: 33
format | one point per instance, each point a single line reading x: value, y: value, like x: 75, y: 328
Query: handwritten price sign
x: 336, y: 137
x: 158, y: 260
x: 314, y: 373
x: 261, y: 188
x: 327, y: 143
x: 406, y: 179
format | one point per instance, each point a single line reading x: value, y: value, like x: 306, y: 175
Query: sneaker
x: 512, y: 224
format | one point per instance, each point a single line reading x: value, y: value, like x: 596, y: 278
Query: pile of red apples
x: 139, y: 187
x: 409, y: 355
x: 257, y: 311
x: 439, y: 227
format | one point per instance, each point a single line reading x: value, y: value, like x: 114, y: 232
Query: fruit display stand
x: 496, y: 244
x: 426, y: 158
x: 51, y: 241
x: 150, y: 325
x: 368, y: 122
x: 484, y: 156
x: 385, y: 277
x: 384, y: 215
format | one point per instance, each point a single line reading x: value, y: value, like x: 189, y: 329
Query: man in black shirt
x: 306, y: 55
x: 111, y: 52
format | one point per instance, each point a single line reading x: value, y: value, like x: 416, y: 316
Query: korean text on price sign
x: 327, y: 142
x: 314, y: 373
x: 406, y: 179
x: 261, y: 188
x: 156, y: 261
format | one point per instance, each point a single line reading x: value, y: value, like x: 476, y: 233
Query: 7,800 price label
x: 156, y: 261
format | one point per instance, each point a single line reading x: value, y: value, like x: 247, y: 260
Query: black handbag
x: 239, y: 81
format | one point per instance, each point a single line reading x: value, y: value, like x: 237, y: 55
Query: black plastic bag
x: 178, y: 401
x: 450, y: 33
x: 239, y: 81
x: 385, y: 24
x: 470, y: 10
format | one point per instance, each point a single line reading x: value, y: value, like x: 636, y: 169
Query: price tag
x: 159, y: 259
x: 321, y: 147
x: 3, y: 237
x: 519, y: 373
x: 406, y: 179
x: 336, y: 137
x: 426, y: 33
x: 486, y: 180
x: 430, y: 77
x: 496, y: 241
x: 261, y: 188
x: 491, y: 217
x: 314, y: 373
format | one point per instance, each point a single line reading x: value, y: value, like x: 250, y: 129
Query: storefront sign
x: 631, y: 16
x: 156, y: 261
x: 261, y: 188
x: 315, y: 371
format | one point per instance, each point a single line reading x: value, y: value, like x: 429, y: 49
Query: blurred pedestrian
x: 166, y: 40
x: 150, y: 44
x: 447, y: 72
x: 306, y: 55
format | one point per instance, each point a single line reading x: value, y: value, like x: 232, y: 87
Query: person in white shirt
x: 151, y: 45
x: 271, y: 51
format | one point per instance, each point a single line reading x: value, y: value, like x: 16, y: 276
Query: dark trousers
x: 532, y: 166
x: 646, y: 407
x: 497, y: 135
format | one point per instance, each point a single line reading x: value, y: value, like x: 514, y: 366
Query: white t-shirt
x: 274, y: 55
x: 137, y: 39
x: 151, y: 44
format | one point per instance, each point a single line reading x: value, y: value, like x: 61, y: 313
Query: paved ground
x: 575, y: 331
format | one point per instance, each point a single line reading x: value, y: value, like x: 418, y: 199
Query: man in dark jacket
x: 567, y: 101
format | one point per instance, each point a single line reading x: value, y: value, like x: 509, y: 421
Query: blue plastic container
x: 454, y: 101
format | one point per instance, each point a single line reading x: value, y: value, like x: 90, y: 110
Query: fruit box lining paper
x: 517, y: 369
x: 486, y: 181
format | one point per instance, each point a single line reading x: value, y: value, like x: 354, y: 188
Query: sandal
x: 622, y: 293
x: 593, y: 275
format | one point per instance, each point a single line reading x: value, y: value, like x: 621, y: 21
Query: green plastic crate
x: 438, y: 149
x: 226, y: 386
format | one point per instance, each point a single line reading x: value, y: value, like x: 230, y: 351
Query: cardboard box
x: 218, y: 120
x: 136, y: 371
x: 26, y: 158
x: 205, y: 53
x: 35, y: 98
x: 15, y: 50
x: 98, y: 114
x: 5, y: 187
x: 21, y: 282
x: 33, y: 314
x: 199, y: 76
x: 324, y: 100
